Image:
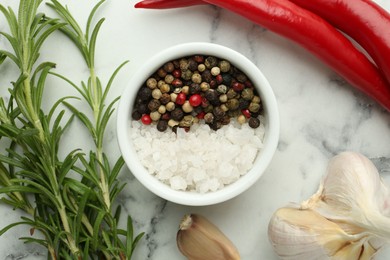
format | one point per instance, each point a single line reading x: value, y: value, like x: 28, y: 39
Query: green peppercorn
x: 154, y: 104
x: 201, y: 67
x: 254, y: 122
x: 241, y: 77
x: 222, y: 89
x: 254, y: 107
x: 231, y: 93
x: 223, y: 98
x: 247, y: 94
x: 187, y: 121
x: 208, y: 118
x: 186, y: 75
x: 162, y: 125
x: 232, y: 104
x: 204, y: 86
x: 196, y: 78
x: 224, y: 66
x: 184, y: 64
x: 177, y: 114
x: 256, y: 99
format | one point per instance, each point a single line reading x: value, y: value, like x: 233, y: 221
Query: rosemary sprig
x: 75, y: 216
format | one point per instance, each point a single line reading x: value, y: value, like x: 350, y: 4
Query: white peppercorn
x: 151, y: 83
x: 215, y: 71
x: 162, y: 109
x: 187, y: 108
x: 156, y: 93
x: 172, y: 123
x: 155, y: 115
x: 241, y: 119
x: 170, y: 106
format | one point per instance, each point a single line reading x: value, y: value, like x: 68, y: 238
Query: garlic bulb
x: 199, y: 239
x: 345, y: 219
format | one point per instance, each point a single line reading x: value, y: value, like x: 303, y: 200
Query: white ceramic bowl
x: 271, y: 114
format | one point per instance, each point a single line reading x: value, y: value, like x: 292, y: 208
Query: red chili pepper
x: 363, y: 20
x: 165, y: 4
x: 313, y: 33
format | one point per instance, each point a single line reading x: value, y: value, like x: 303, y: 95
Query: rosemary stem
x: 99, y: 150
x: 35, y: 119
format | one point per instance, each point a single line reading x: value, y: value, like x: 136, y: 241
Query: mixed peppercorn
x: 185, y: 91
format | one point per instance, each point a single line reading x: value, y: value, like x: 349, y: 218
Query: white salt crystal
x: 178, y: 183
x: 200, y: 160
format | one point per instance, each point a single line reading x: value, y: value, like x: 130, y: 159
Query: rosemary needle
x: 75, y: 216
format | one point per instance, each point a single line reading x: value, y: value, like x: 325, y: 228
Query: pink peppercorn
x: 246, y: 113
x: 237, y: 86
x: 181, y: 98
x: 146, y: 119
x: 195, y: 100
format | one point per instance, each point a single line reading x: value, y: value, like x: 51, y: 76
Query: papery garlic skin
x: 353, y: 192
x: 199, y: 239
x: 297, y: 234
x: 346, y: 219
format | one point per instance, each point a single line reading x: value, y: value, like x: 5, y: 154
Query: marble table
x: 321, y: 115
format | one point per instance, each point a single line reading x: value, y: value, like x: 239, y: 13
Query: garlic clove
x: 353, y: 192
x: 199, y: 239
x: 304, y: 234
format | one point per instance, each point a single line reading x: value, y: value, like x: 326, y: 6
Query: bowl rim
x: 272, y: 125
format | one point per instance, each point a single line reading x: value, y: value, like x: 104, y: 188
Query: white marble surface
x: 320, y: 117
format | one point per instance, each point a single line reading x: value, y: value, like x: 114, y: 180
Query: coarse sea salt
x: 201, y: 160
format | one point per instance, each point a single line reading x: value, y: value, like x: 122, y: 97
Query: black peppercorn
x: 136, y: 115
x: 177, y: 114
x: 162, y: 125
x: 192, y: 65
x: 218, y: 113
x: 194, y: 88
x: 209, y: 118
x: 211, y: 62
x: 243, y: 104
x: 226, y: 79
x: 169, y: 67
x: 153, y: 105
x: 254, y: 122
x: 212, y: 96
x: 143, y: 108
x: 145, y: 93
x: 165, y: 98
x: 206, y: 76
